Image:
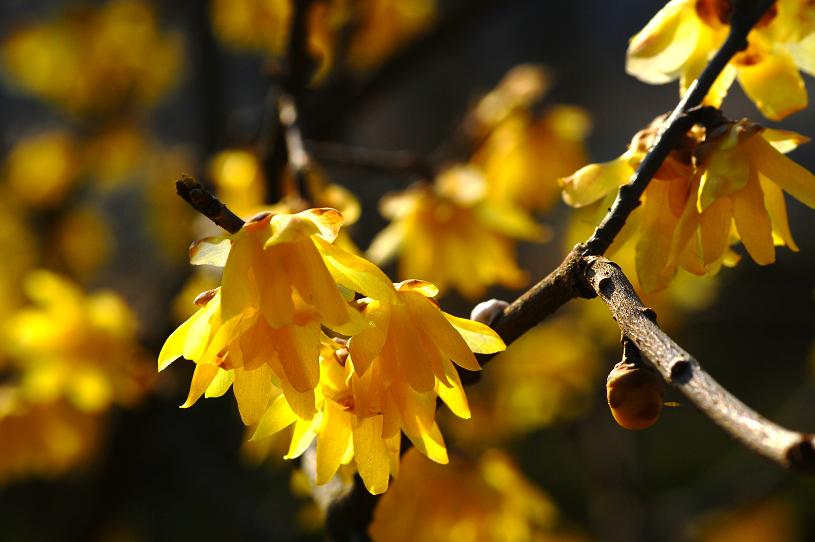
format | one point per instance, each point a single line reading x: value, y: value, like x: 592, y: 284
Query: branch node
x: 649, y: 313
x: 681, y: 371
x: 801, y: 455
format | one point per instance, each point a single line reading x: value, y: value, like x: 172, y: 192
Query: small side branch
x: 790, y: 449
x: 371, y: 159
x: 746, y: 14
x: 208, y: 205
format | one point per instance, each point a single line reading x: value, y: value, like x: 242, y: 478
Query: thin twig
x: 208, y: 205
x: 789, y: 449
x: 373, y: 159
x: 747, y: 13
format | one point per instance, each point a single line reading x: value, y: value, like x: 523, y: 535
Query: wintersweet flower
x: 452, y: 234
x: 716, y: 189
x: 275, y: 295
x: 75, y: 346
x: 386, y: 380
x: 478, y: 500
x: 679, y: 40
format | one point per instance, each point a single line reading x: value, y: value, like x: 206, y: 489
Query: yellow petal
x: 779, y: 169
x: 592, y: 182
x: 437, y: 327
x: 657, y: 53
x: 725, y: 172
x: 371, y: 454
x: 774, y: 84
x: 753, y: 222
x: 274, y: 289
x: 220, y: 384
x: 210, y: 251
x: 656, y: 237
x: 301, y: 439
x: 201, y: 329
x: 299, y: 352
x: 480, y: 338
x: 236, y: 291
x: 425, y: 288
x: 777, y: 209
x: 276, y: 418
x: 408, y: 350
x: 201, y: 379
x: 356, y: 273
x: 333, y: 439
x: 314, y: 283
x: 366, y: 345
x: 174, y: 345
x: 286, y: 228
x: 454, y: 396
x: 253, y: 391
x: 714, y: 230
x: 386, y: 244
x: 431, y: 444
x: 783, y: 140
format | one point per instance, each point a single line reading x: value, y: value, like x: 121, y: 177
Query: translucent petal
x: 592, y: 182
x: 425, y: 288
x: 236, y: 290
x: 276, y: 418
x: 286, y: 228
x: 725, y: 172
x: 220, y: 384
x: 174, y: 345
x: 454, y: 396
x: 303, y: 436
x: 333, y: 439
x: 714, y: 230
x: 774, y: 85
x: 371, y: 454
x: 437, y: 327
x: 367, y: 344
x: 753, y: 222
x: 776, y: 167
x: 253, y: 391
x: 386, y: 244
x: 201, y: 379
x: 480, y: 338
x: 777, y: 209
x: 411, y: 357
x: 273, y: 286
x: 314, y: 283
x: 656, y: 236
x: 657, y: 53
x: 210, y: 251
x: 356, y: 273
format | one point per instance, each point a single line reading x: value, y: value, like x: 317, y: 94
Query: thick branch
x: 747, y: 14
x: 208, y: 205
x: 790, y: 449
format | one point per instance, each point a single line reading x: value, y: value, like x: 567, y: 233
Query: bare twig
x: 790, y: 449
x: 746, y: 14
x: 208, y: 205
x: 373, y: 159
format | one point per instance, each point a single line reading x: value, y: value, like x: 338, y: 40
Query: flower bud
x: 635, y: 395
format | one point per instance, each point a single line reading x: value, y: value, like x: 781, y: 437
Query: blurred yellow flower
x: 42, y: 439
x: 487, y: 500
x: 546, y: 376
x: 94, y: 61
x: 453, y: 234
x: 379, y: 27
x: 732, y: 176
x: 81, y: 242
x: 680, y: 39
x: 80, y: 347
x: 40, y: 170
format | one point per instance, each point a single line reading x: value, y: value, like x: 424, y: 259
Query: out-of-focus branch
x: 208, y: 205
x: 746, y: 14
x: 372, y: 159
x: 789, y: 449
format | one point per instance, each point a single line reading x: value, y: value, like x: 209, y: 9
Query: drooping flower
x: 480, y: 500
x: 454, y: 235
x: 732, y: 176
x: 275, y: 295
x: 75, y: 346
x: 678, y: 42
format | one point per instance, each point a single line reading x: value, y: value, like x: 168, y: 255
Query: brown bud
x: 635, y: 395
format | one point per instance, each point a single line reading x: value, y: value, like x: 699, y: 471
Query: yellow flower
x: 708, y: 194
x: 679, y: 40
x: 481, y: 500
x: 547, y: 375
x: 79, y: 347
x: 95, y: 61
x: 275, y: 294
x: 42, y: 439
x: 260, y: 333
x: 453, y: 234
x: 40, y: 170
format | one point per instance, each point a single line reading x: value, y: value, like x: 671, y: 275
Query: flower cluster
x: 312, y: 336
x: 716, y: 188
x: 461, y: 229
x: 679, y: 40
